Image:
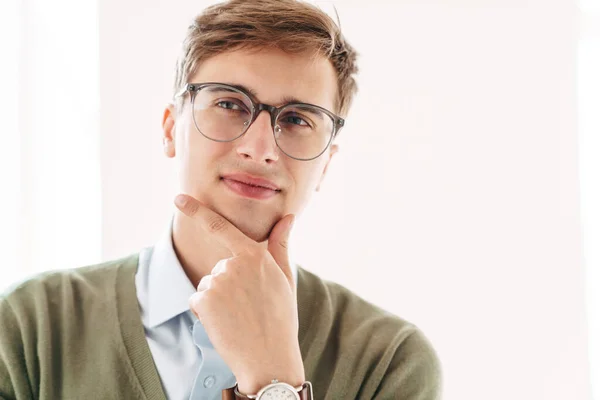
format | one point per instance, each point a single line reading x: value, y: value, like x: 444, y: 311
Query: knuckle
x: 203, y: 284
x: 234, y: 265
x: 217, y: 280
x: 192, y: 208
x: 220, y: 267
x: 197, y: 303
x: 216, y: 224
x: 284, y: 243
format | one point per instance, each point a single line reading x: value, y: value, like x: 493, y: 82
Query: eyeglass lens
x: 223, y: 114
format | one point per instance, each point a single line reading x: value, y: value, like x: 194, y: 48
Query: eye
x: 230, y: 105
x: 294, y: 119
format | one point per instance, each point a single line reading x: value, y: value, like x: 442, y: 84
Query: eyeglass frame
x: 257, y: 108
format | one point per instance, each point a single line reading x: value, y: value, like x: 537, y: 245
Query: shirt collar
x: 169, y: 288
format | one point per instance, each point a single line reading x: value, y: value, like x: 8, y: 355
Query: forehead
x: 274, y: 75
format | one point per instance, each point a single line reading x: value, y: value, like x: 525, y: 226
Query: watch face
x: 279, y: 392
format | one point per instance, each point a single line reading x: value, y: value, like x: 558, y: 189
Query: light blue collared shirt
x: 187, y: 363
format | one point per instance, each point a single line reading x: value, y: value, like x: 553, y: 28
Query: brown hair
x: 289, y: 25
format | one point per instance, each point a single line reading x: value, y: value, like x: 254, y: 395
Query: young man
x: 217, y: 308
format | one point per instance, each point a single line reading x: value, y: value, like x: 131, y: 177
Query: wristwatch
x: 274, y: 391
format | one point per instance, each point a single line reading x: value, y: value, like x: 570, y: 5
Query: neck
x: 197, y: 253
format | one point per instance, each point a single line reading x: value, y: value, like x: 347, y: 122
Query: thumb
x: 278, y: 243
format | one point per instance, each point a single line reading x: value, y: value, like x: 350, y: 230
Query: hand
x: 247, y: 304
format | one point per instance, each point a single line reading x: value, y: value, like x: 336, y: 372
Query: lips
x: 251, y: 186
x: 252, y: 181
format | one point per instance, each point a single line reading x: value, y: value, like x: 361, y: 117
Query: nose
x: 258, y: 143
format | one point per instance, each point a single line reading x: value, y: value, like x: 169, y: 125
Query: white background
x: 455, y: 201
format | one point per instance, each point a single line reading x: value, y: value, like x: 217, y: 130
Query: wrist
x: 288, y: 368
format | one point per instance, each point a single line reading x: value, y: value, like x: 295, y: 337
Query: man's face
x: 274, y: 76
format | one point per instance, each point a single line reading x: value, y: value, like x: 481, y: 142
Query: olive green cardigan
x: 78, y: 334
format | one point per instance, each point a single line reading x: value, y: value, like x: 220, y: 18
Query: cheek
x: 197, y: 160
x: 195, y: 149
x: 308, y: 176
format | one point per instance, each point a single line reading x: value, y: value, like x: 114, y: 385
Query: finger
x: 194, y: 303
x: 204, y: 283
x: 278, y: 244
x: 223, y: 230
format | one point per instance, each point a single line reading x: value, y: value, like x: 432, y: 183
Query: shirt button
x: 209, y: 381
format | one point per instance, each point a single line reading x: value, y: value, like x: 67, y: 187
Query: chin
x: 254, y: 222
x: 251, y: 223
x: 256, y: 230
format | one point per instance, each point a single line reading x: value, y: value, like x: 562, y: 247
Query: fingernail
x: 180, y: 201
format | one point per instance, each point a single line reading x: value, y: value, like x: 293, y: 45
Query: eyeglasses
x: 224, y: 112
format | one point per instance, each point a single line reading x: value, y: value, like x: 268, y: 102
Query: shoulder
x: 336, y: 302
x: 53, y: 323
x: 44, y: 292
x: 389, y: 353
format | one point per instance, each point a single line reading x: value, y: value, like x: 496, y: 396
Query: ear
x: 168, y: 125
x: 332, y: 150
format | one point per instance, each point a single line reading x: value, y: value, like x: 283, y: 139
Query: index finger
x: 214, y: 223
